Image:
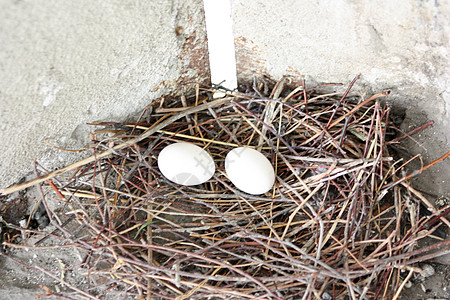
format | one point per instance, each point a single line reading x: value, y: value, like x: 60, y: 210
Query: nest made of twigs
x: 340, y: 222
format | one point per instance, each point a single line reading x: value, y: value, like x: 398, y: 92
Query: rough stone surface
x: 402, y: 46
x: 64, y: 63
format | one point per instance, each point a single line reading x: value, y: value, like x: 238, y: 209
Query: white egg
x: 249, y: 170
x: 186, y: 164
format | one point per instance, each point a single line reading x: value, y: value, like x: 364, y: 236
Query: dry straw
x: 341, y: 221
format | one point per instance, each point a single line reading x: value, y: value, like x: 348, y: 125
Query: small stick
x: 304, y: 95
x: 400, y: 289
x: 417, y: 172
x: 66, y: 283
x: 171, y: 110
x: 57, y: 191
x: 424, y: 201
x: 188, y: 118
x: 149, y: 236
x: 411, y: 132
x: 343, y: 133
x: 342, y: 99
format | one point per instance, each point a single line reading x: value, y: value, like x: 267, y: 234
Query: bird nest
x: 341, y: 221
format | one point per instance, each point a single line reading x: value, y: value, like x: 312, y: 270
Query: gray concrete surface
x: 66, y: 63
x: 400, y: 45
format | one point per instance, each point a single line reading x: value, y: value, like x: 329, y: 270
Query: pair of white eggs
x: 187, y: 164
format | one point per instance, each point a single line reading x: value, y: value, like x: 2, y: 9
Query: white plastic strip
x: 219, y: 29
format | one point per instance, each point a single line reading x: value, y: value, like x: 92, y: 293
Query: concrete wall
x: 65, y: 63
x: 399, y: 45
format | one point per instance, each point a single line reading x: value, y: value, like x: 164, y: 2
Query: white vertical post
x: 219, y: 29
